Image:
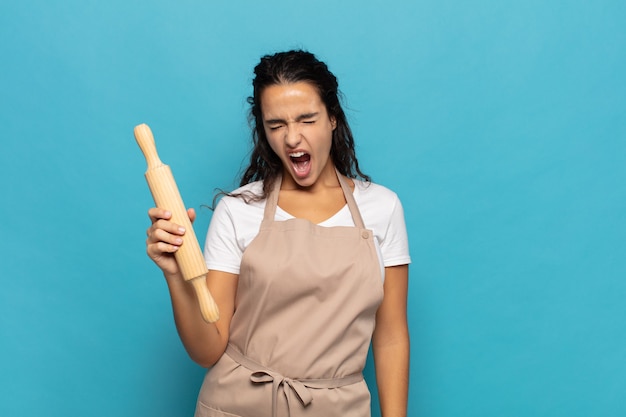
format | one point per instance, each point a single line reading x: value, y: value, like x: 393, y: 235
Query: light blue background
x: 501, y: 125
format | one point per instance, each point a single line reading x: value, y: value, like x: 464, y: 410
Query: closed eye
x: 308, y: 118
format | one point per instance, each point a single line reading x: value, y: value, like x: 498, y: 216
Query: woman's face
x: 299, y: 130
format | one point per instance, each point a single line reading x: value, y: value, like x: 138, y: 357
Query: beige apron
x: 304, y: 315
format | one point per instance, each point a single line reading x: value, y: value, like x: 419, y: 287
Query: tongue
x: 301, y: 162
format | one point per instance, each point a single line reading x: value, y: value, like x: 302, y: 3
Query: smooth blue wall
x: 501, y: 125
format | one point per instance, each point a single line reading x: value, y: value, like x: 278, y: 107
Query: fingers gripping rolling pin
x: 166, y: 196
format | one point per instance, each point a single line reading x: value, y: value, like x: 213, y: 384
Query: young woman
x: 307, y: 263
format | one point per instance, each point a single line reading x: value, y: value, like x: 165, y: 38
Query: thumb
x: 192, y: 214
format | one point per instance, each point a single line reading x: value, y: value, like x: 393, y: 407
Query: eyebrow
x: 298, y: 119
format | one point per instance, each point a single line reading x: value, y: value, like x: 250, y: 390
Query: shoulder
x: 373, y: 189
x: 238, y: 211
x: 233, y: 225
x: 243, y: 197
x: 371, y: 196
x: 380, y: 207
x: 382, y: 212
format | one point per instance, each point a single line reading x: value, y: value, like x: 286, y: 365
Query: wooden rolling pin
x: 166, y: 196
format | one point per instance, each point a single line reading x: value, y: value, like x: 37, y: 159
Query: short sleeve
x: 394, y: 245
x: 221, y: 248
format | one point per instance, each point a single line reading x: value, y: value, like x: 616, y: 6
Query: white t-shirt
x: 236, y: 223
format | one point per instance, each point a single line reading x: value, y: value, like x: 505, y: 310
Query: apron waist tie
x: 262, y: 375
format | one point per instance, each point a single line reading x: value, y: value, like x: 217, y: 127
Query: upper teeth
x: 296, y: 154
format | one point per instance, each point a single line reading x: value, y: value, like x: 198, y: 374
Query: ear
x: 333, y: 122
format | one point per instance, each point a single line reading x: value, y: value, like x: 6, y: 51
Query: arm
x: 390, y: 344
x: 205, y: 342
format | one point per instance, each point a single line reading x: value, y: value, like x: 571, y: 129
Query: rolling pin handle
x: 208, y: 307
x: 145, y: 140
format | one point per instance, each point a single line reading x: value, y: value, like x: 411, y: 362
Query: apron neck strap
x: 354, y: 209
x: 272, y: 201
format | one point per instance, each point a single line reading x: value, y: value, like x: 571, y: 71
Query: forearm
x: 203, y: 341
x: 392, y: 376
x: 390, y: 344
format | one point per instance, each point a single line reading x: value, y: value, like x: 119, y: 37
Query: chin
x: 305, y: 182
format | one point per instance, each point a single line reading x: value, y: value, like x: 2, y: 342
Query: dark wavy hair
x: 286, y: 68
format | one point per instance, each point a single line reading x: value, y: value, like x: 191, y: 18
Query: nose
x: 293, y: 135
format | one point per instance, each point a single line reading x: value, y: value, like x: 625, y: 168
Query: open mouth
x: 300, y: 161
